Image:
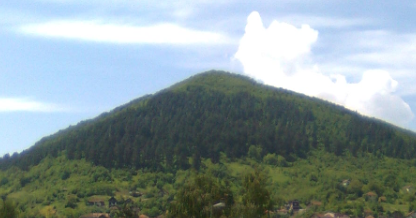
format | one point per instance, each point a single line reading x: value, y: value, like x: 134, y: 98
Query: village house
x: 396, y: 214
x: 282, y: 212
x: 219, y: 206
x: 368, y: 212
x: 370, y: 196
x: 346, y: 182
x: 112, y: 202
x: 293, y: 206
x: 411, y: 215
x: 314, y: 204
x: 96, y: 215
x: 135, y: 194
x: 382, y: 199
x: 329, y: 215
x: 407, y: 188
x: 95, y: 202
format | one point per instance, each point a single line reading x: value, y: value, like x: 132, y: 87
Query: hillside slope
x: 215, y: 112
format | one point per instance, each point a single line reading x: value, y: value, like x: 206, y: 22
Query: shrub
x: 281, y: 161
x: 8, y: 210
x: 65, y: 175
x: 24, y: 181
x: 271, y: 159
x: 254, y: 152
x: 4, y: 181
x: 71, y: 201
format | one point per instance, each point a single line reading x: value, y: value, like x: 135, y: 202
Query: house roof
x: 96, y: 215
x: 411, y: 213
x: 370, y: 194
x: 330, y: 215
x: 219, y: 205
x: 316, y: 203
x: 408, y: 188
x: 95, y: 200
x: 383, y: 198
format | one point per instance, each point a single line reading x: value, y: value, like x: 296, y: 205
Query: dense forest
x: 217, y: 112
x: 225, y: 127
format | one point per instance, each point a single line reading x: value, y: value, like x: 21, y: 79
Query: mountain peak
x: 216, y: 112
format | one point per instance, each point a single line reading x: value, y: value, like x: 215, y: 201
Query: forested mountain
x: 216, y: 139
x: 215, y: 112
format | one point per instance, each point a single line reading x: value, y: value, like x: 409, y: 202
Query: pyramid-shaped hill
x: 216, y: 112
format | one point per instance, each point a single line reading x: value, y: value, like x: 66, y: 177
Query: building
x: 96, y: 215
x: 293, y: 205
x: 112, y: 202
x: 96, y: 202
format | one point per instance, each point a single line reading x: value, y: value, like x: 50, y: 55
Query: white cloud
x: 280, y: 55
x: 364, y: 49
x: 27, y: 105
x: 325, y: 22
x: 98, y: 31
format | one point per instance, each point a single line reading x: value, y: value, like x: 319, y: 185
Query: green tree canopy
x: 256, y: 197
x: 198, y: 197
x: 7, y: 210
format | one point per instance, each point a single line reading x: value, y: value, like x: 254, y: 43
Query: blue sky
x: 64, y: 61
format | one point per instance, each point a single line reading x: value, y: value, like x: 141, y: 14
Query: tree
x: 254, y: 152
x: 355, y: 187
x: 196, y: 160
x: 271, y: 159
x: 127, y: 211
x: 198, y: 196
x: 71, y: 201
x: 256, y: 198
x: 8, y: 210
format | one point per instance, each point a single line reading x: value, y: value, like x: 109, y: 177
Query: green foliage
x: 198, y: 196
x: 7, y: 210
x: 65, y: 175
x: 211, y: 113
x: 254, y: 152
x: 127, y: 211
x: 24, y: 181
x: 71, y: 201
x: 256, y: 197
x: 318, y: 178
x: 101, y: 174
x: 221, y: 126
x: 412, y: 206
x: 281, y: 161
x: 355, y: 187
x: 4, y: 181
x: 271, y: 159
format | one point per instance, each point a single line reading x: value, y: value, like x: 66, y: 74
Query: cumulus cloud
x: 27, y: 105
x: 98, y: 31
x: 280, y: 55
